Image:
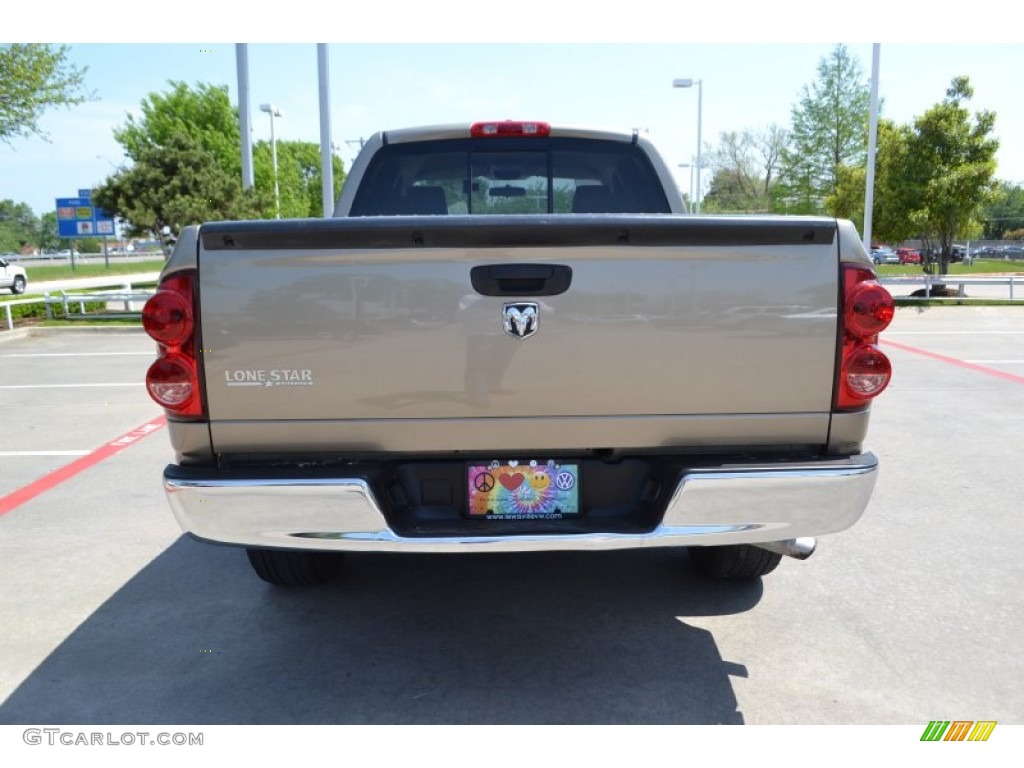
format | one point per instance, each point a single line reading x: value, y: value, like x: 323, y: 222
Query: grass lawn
x: 980, y: 267
x: 63, y: 271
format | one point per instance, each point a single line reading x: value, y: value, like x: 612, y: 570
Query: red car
x: 909, y: 255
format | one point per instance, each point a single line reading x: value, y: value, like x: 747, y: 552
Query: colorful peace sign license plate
x: 524, y: 490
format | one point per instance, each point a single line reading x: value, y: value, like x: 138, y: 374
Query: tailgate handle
x: 521, y: 279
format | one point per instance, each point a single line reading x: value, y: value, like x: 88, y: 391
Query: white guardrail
x: 931, y: 282
x: 125, y: 296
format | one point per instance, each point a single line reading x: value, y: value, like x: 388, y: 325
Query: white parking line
x: 77, y: 354
x: 996, y: 362
x: 9, y: 454
x: 69, y: 386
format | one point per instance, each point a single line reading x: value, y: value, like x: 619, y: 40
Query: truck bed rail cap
x: 545, y: 230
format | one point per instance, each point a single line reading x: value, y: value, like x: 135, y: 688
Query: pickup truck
x: 12, y: 277
x: 510, y: 337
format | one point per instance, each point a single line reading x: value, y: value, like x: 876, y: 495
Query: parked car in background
x: 909, y: 255
x: 986, y: 252
x: 883, y: 254
x: 12, y: 277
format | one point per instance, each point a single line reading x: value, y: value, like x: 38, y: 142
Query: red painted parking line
x: 59, y: 475
x: 953, y: 361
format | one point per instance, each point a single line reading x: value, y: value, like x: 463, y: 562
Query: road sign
x: 78, y: 217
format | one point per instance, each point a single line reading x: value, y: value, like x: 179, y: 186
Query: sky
x: 551, y: 63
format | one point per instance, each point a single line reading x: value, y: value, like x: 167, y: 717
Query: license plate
x: 528, y: 490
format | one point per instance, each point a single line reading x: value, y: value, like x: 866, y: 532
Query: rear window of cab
x: 509, y: 176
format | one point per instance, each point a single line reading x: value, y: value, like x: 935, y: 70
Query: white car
x: 12, y: 277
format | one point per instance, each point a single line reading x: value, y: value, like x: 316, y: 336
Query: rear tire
x: 734, y: 561
x: 19, y: 285
x: 291, y: 568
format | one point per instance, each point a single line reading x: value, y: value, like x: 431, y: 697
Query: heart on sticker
x: 511, y: 482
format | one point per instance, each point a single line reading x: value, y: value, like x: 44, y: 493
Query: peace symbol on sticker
x: 484, y: 482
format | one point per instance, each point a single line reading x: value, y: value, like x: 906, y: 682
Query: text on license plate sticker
x: 530, y: 490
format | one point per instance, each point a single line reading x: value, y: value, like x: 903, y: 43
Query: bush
x: 23, y: 311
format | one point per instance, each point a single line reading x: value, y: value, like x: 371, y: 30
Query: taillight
x: 867, y: 371
x: 869, y: 309
x: 509, y: 128
x: 171, y: 381
x: 169, y: 318
x: 864, y: 371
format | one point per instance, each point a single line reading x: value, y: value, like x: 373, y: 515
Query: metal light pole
x: 689, y: 165
x: 869, y: 190
x: 689, y: 83
x: 326, y: 156
x: 244, y: 124
x: 274, y: 111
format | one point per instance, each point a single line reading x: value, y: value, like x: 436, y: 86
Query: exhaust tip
x: 801, y: 548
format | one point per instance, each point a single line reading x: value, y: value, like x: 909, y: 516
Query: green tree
x: 830, y: 130
x: 18, y: 225
x: 173, y: 185
x: 200, y: 120
x: 46, y: 237
x: 299, y: 177
x: 203, y: 113
x: 894, y: 200
x: 1004, y: 212
x: 33, y: 79
x: 731, y: 191
x: 746, y: 168
x: 950, y: 167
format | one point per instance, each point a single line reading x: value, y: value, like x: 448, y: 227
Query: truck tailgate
x: 368, y: 334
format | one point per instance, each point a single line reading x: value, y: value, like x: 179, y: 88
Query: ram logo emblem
x: 522, y: 319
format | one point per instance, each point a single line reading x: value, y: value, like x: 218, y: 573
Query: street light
x: 274, y: 111
x: 689, y: 83
x: 691, y: 166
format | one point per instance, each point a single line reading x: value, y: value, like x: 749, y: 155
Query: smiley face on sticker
x: 540, y: 480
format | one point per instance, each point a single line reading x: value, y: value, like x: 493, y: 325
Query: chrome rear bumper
x: 741, y: 504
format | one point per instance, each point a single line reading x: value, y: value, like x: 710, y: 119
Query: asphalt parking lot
x: 109, y: 615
